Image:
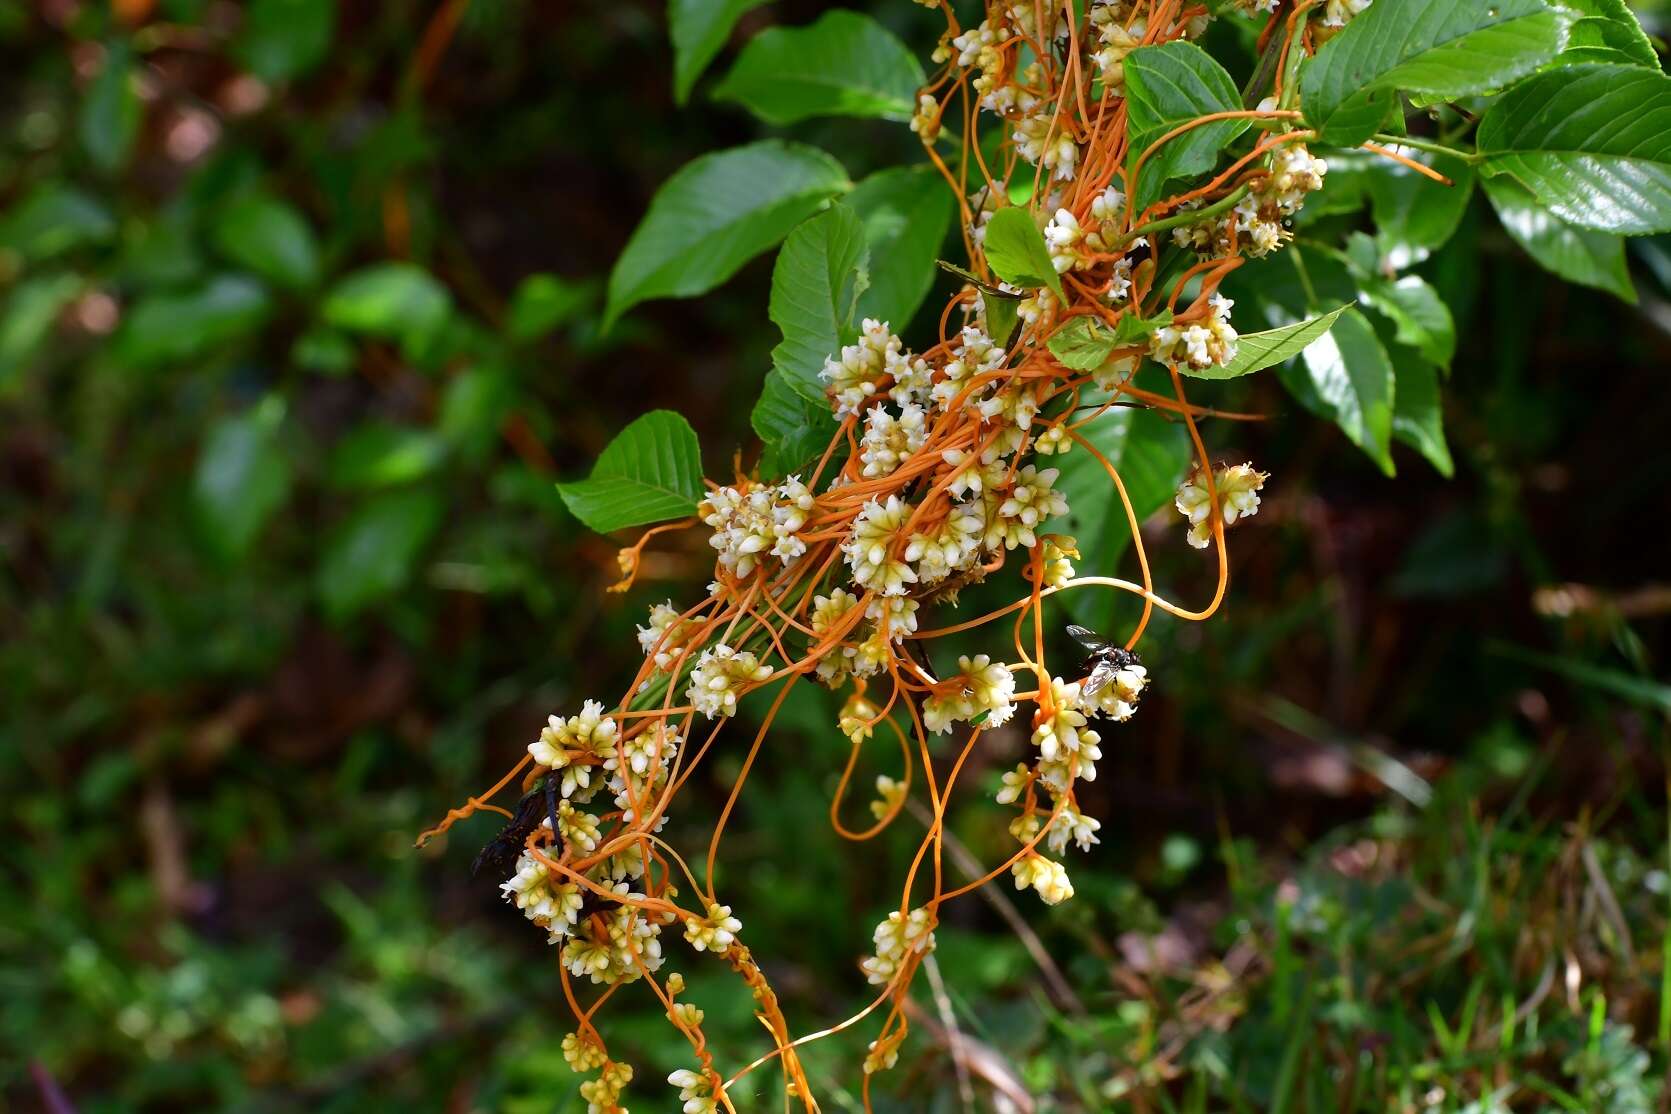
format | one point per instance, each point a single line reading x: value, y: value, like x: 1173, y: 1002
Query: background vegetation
x: 299, y: 312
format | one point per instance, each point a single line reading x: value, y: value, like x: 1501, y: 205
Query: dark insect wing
x: 1087, y: 638
x: 1102, y: 672
x: 502, y: 850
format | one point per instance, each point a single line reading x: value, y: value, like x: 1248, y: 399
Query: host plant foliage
x: 1113, y: 187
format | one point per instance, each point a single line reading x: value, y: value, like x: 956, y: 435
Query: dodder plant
x: 1111, y: 178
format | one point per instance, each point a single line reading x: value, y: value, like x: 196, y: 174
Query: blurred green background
x: 298, y: 309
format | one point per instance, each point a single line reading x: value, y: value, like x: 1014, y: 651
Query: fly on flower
x: 1105, y: 661
x: 501, y: 851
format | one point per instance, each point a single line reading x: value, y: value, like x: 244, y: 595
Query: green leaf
x: 397, y: 301
x: 242, y: 477
x: 1592, y: 143
x: 846, y: 64
x: 1414, y: 214
x: 1607, y: 31
x: 1016, y: 252
x: 56, y: 218
x: 1422, y: 319
x: 1167, y: 86
x: 110, y: 117
x: 1003, y: 317
x: 473, y: 407
x: 370, y: 556
x: 905, y: 212
x: 283, y: 39
x: 715, y: 214
x: 379, y: 455
x: 699, y: 29
x: 816, y: 282
x: 170, y: 327
x: 544, y: 303
x: 1152, y: 455
x: 1444, y: 48
x: 1347, y: 376
x: 1131, y: 329
x: 651, y: 472
x: 1257, y: 351
x: 1082, y: 344
x: 1418, y: 414
x: 1576, y: 254
x: 27, y: 316
x: 323, y: 350
x: 270, y: 238
x: 794, y: 429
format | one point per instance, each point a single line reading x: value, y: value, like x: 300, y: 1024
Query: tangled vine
x: 937, y: 477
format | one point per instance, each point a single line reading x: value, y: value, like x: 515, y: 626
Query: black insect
x: 502, y: 850
x: 1106, y: 659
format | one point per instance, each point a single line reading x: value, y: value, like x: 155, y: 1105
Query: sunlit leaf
x: 715, y: 214
x: 651, y: 472
x: 846, y: 64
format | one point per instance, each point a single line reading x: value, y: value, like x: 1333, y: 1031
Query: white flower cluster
x: 983, y: 689
x: 665, y: 637
x: 756, y: 520
x: 720, y: 676
x: 1209, y: 343
x: 575, y: 744
x: 1238, y: 489
x: 603, y: 1094
x: 898, y: 939
x: 696, y: 1091
x: 889, y: 438
x: 1257, y: 7
x: 1259, y: 219
x: 1338, y: 13
x: 715, y: 932
x: 1120, y: 30
x: 1074, y: 245
x: 858, y: 372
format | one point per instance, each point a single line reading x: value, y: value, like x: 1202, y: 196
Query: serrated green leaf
x: 283, y: 39
x: 905, y: 212
x: 169, y: 327
x: 270, y: 238
x: 715, y: 214
x: 651, y: 472
x: 794, y: 430
x: 816, y: 283
x: 699, y: 29
x: 27, y: 316
x: 845, y: 64
x: 1438, y: 47
x: 242, y: 477
x: 1257, y: 351
x: 1167, y: 86
x: 1347, y: 376
x: 1591, y: 142
x: 1607, y: 31
x: 398, y: 301
x: 1082, y: 344
x: 1576, y: 254
x: 111, y: 114
x: 371, y: 555
x: 379, y: 455
x: 1016, y: 252
x: 1418, y: 413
